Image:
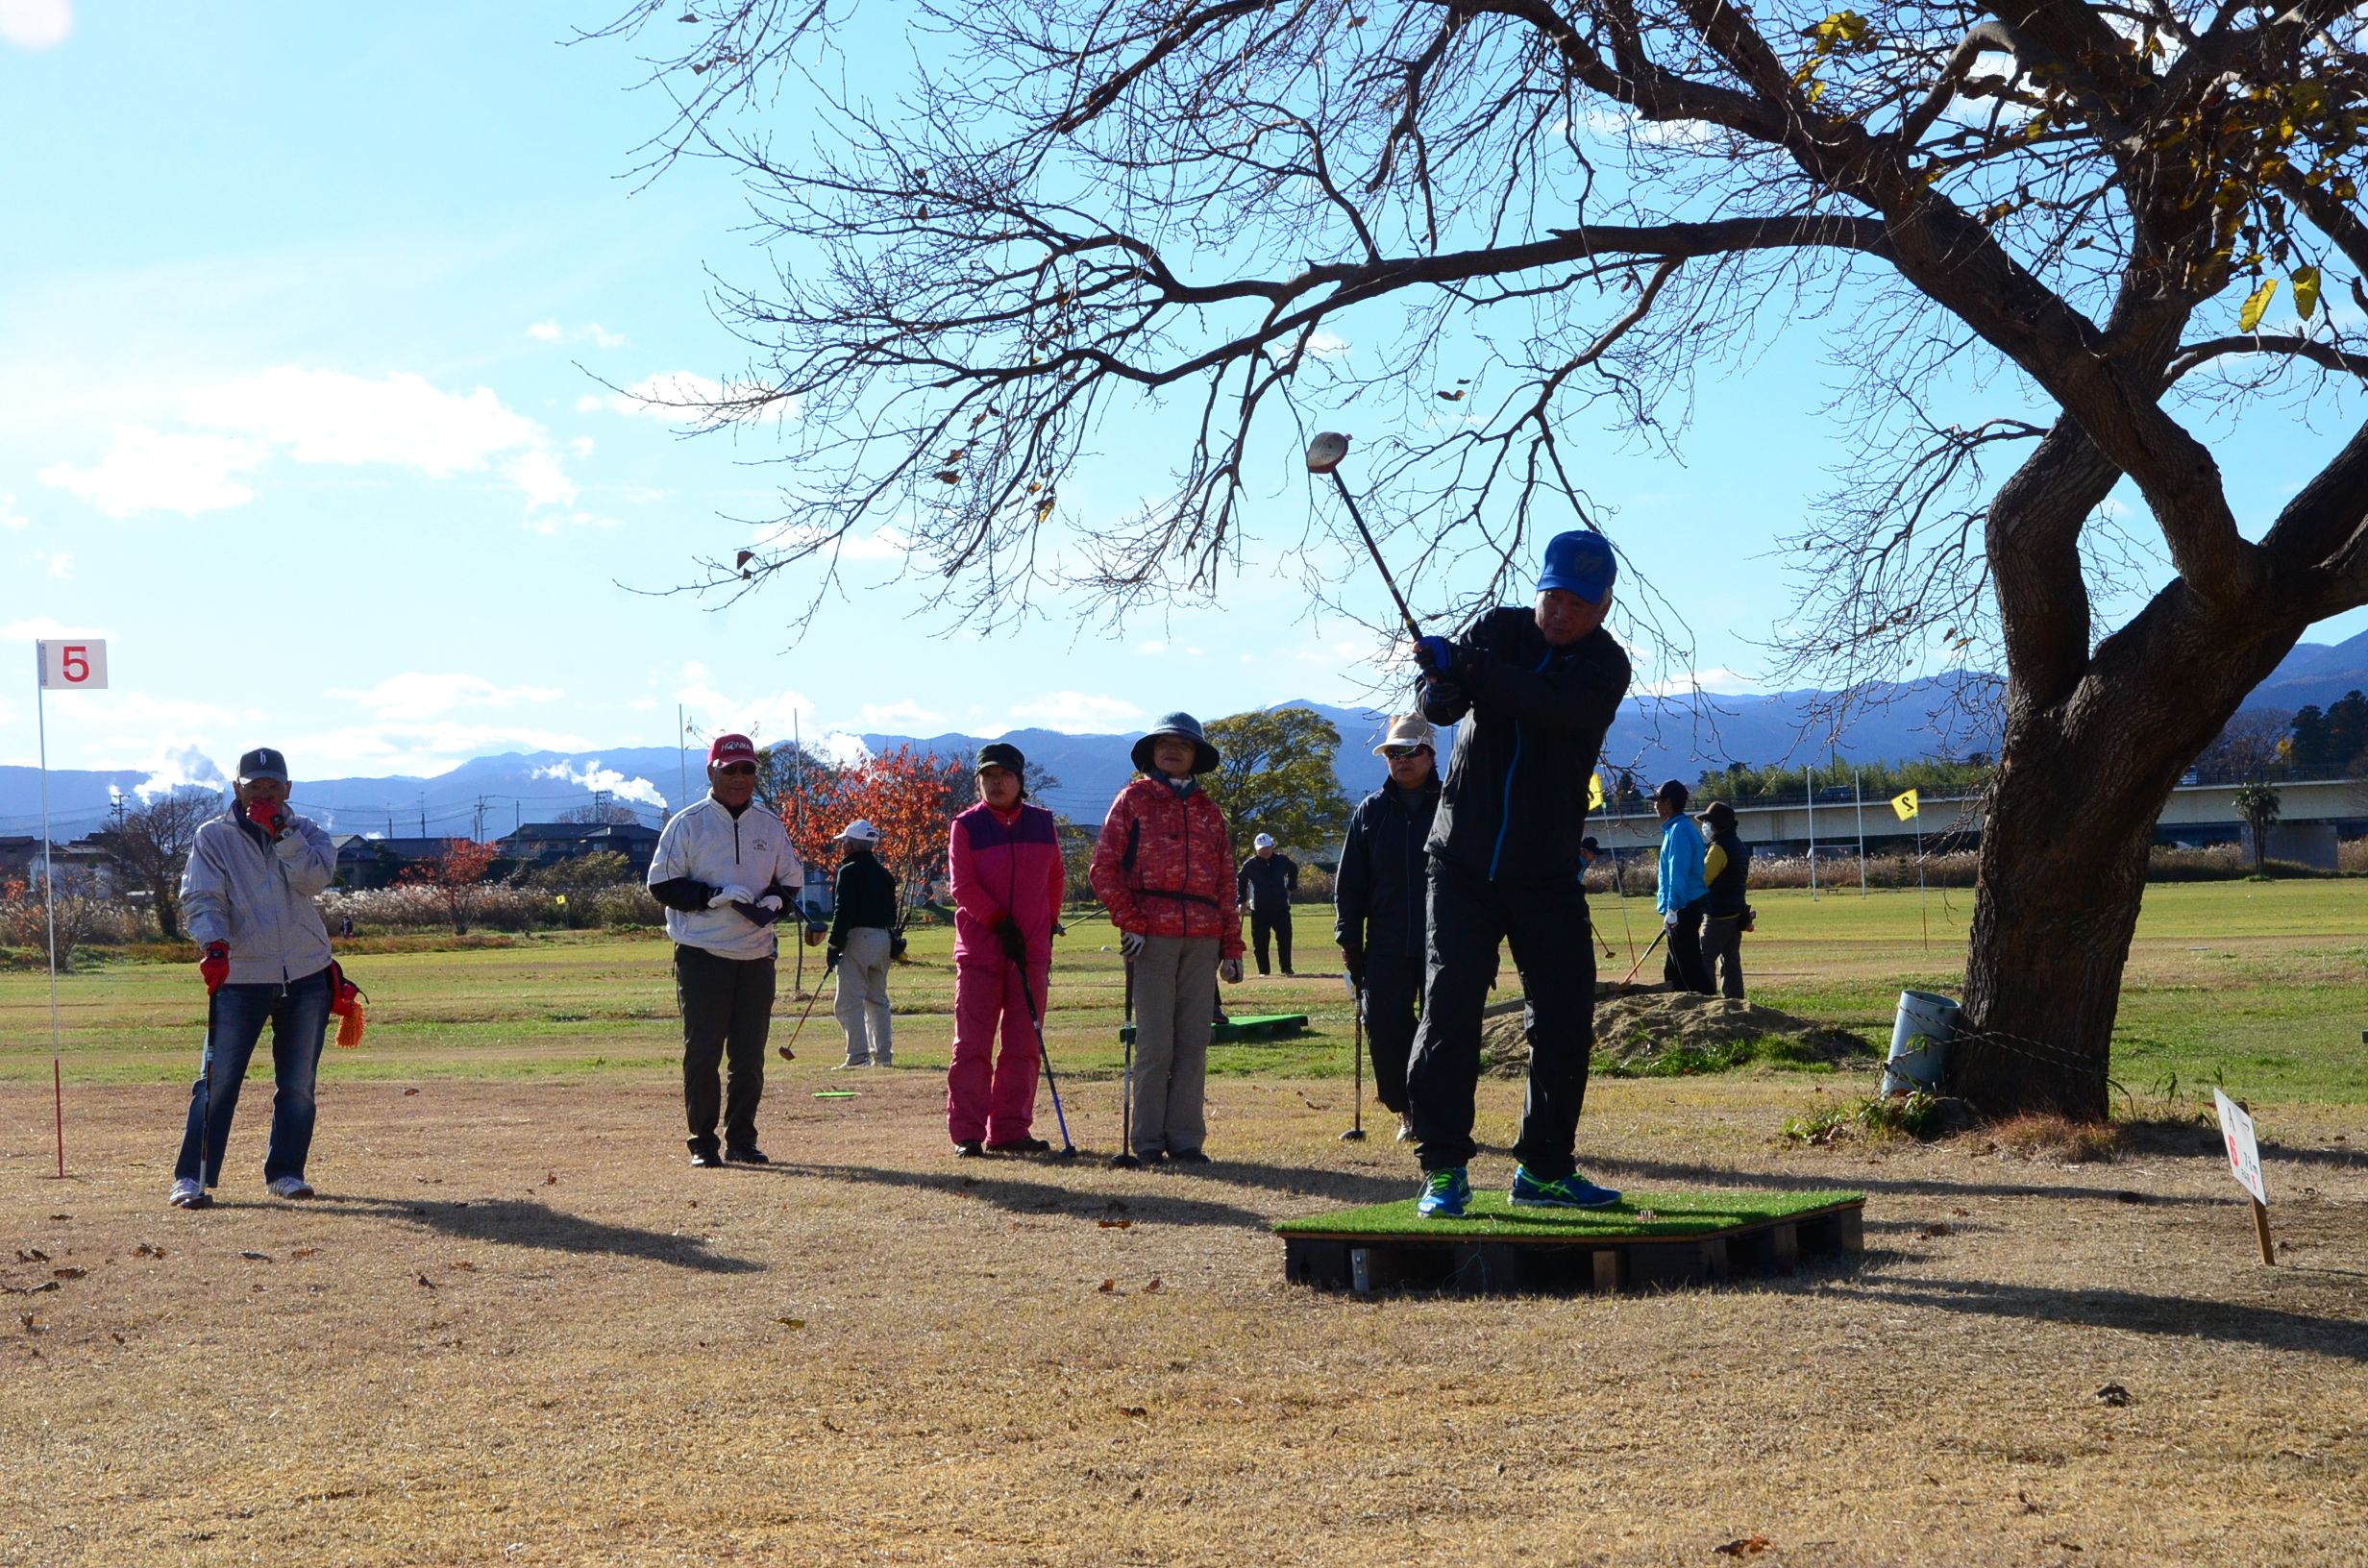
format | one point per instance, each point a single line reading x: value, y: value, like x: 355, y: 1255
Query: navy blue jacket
x: 1377, y: 894
x: 1515, y: 806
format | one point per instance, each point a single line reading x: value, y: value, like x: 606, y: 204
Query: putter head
x: 1354, y: 1135
x: 1125, y: 1162
x: 1067, y: 1151
x: 1326, y: 452
x: 787, y: 1055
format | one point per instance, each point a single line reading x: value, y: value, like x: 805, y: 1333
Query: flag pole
x: 49, y: 901
x: 1857, y: 793
x: 1922, y: 894
x: 1810, y: 775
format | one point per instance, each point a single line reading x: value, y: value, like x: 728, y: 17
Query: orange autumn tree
x: 458, y: 877
x: 911, y: 796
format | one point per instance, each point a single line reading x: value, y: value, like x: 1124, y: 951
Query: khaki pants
x: 1175, y: 977
x: 862, y: 1004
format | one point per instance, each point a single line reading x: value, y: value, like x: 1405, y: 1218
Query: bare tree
x: 151, y: 847
x: 1470, y: 221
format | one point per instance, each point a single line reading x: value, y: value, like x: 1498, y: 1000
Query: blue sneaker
x: 1444, y: 1194
x: 1572, y: 1191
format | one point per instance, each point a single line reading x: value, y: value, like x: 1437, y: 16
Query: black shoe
x: 1188, y: 1157
x: 750, y: 1155
x: 707, y: 1158
x: 1020, y: 1145
x: 970, y: 1148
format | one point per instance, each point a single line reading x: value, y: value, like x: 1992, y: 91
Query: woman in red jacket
x: 1005, y: 857
x: 1164, y: 870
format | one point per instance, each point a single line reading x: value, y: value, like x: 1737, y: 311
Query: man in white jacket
x: 726, y: 872
x: 264, y: 952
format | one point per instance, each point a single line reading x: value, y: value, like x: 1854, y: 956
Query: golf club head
x: 1125, y: 1162
x: 1354, y: 1135
x: 1067, y: 1151
x: 1326, y: 452
x: 787, y: 1055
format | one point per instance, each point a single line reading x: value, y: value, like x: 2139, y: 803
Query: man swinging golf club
x: 1004, y: 857
x: 1535, y: 689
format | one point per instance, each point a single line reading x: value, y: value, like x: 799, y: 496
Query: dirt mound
x: 1639, y: 1029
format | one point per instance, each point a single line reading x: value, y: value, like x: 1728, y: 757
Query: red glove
x: 214, y: 964
x: 267, y: 815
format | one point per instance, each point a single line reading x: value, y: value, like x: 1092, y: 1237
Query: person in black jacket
x: 1265, y: 884
x: 1377, y: 897
x: 863, y: 940
x: 1538, y: 687
x: 1726, y: 867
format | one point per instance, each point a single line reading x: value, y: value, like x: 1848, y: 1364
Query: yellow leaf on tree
x: 2256, y: 304
x: 2306, y: 291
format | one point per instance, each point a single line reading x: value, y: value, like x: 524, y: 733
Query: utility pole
x: 422, y: 816
x: 476, y: 831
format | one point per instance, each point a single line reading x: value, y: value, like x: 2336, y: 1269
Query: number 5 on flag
x: 1905, y: 805
x: 1594, y: 792
x: 79, y: 666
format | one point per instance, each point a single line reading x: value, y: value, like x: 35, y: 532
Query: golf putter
x: 1027, y: 994
x: 789, y: 1051
x: 1125, y: 1159
x: 1356, y: 1048
x: 1648, y: 953
x: 205, y: 1115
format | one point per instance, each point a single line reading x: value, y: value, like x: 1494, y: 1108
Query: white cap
x: 859, y: 831
x: 1264, y: 841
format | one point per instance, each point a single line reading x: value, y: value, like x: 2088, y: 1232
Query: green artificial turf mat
x: 1491, y: 1216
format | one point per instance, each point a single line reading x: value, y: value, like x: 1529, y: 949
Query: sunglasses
x: 739, y: 770
x: 1393, y: 752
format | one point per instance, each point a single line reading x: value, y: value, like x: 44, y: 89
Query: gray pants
x: 1175, y: 977
x: 1722, y: 952
x: 862, y: 1004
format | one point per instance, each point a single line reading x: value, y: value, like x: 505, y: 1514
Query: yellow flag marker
x: 1594, y: 792
x: 1904, y: 803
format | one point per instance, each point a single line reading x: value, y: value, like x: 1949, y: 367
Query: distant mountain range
x: 1653, y: 737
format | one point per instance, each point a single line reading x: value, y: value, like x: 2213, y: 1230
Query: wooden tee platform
x: 1649, y: 1240
x: 1247, y: 1026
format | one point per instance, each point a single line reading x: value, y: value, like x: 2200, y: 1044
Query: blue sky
x: 303, y: 321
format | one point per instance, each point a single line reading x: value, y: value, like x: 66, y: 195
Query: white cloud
x: 36, y: 24
x: 583, y: 446
x: 1323, y: 345
x: 548, y: 525
x: 61, y: 562
x: 413, y: 695
x: 187, y: 767
x: 1150, y: 645
x: 145, y: 472
x: 43, y: 628
x: 417, y: 750
x: 767, y: 718
x: 1719, y: 681
x: 538, y: 473
x: 600, y: 336
x: 1074, y: 713
x: 899, y: 717
x: 594, y: 777
x: 9, y: 516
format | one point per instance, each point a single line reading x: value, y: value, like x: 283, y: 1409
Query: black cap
x: 1590, y: 845
x: 1001, y: 754
x: 263, y: 762
x: 1674, y: 792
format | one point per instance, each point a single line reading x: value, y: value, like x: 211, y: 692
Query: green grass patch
x: 1778, y: 1051
x: 1873, y: 1118
x: 1491, y: 1216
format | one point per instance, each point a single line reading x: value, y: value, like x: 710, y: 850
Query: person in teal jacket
x: 1681, y: 893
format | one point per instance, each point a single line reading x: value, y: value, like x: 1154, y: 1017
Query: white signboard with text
x: 73, y: 664
x: 2244, y: 1154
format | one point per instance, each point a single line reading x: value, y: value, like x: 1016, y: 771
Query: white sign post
x: 63, y: 665
x: 2245, y: 1165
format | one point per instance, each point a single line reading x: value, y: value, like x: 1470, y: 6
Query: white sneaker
x: 289, y: 1186
x: 187, y: 1193
x: 852, y: 1062
x: 1405, y: 1131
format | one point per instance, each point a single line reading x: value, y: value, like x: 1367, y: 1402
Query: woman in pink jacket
x: 1005, y: 861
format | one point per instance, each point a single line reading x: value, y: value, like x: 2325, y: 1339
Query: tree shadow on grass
x: 1313, y: 1182
x: 524, y: 1223
x: 1152, y: 1195
x: 2184, y: 1317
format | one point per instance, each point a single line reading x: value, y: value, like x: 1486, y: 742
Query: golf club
x: 789, y: 1052
x: 205, y: 1114
x: 1324, y: 457
x: 1125, y: 1159
x: 1356, y: 1046
x: 1648, y: 953
x: 1027, y: 995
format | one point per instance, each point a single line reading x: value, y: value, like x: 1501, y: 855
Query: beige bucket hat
x: 1408, y: 730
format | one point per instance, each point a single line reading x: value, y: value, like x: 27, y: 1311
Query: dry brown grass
x: 2058, y: 1139
x: 516, y: 1330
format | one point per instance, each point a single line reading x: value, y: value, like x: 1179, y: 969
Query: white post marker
x: 64, y: 665
x: 2245, y: 1165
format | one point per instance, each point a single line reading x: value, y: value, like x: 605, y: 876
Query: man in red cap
x: 726, y: 872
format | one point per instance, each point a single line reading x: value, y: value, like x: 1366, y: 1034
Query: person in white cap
x: 1378, y: 902
x: 863, y: 940
x: 1266, y: 882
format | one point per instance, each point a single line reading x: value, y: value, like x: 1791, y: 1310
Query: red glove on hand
x: 214, y: 964
x: 267, y: 815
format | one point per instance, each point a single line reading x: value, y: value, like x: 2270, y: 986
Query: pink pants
x: 995, y: 1101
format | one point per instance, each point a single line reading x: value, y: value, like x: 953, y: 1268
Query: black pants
x: 1546, y: 923
x: 1683, y: 967
x: 726, y: 1015
x: 1392, y: 1007
x: 1277, y: 923
x: 1722, y: 953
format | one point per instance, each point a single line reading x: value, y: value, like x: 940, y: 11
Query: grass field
x: 516, y: 1329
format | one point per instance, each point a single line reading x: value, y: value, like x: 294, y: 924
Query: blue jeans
x: 298, y: 1014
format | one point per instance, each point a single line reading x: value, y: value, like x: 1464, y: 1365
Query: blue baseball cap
x: 1580, y: 562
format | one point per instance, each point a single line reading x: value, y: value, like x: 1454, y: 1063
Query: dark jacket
x: 866, y: 896
x: 1726, y: 895
x: 1515, y: 805
x: 1266, y: 885
x: 1379, y: 889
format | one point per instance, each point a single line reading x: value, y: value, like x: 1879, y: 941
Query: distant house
x: 547, y: 844
x: 87, y: 864
x: 20, y: 855
x: 379, y: 863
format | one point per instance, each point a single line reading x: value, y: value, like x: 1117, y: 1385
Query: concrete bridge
x: 2194, y: 813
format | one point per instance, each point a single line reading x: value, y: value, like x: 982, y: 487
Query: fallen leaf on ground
x: 1750, y: 1546
x: 303, y: 1252
x: 1115, y: 1224
x: 257, y: 1257
x: 791, y: 1322
x: 1108, y: 1285
x: 144, y: 1250
x: 425, y: 1283
x: 1936, y: 1228
x: 551, y: 1179
x: 1133, y: 1410
x: 2113, y: 1394
x: 409, y: 1091
x: 70, y: 1273
x: 463, y: 1264
x: 1153, y: 1285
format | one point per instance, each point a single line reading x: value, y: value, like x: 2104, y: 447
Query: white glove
x: 1131, y: 943
x: 731, y: 896
x: 1670, y: 919
x: 771, y: 901
x: 1231, y: 971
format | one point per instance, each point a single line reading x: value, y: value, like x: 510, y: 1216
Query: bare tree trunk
x: 168, y: 911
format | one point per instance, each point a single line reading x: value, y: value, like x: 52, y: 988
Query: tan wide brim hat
x: 1408, y: 730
